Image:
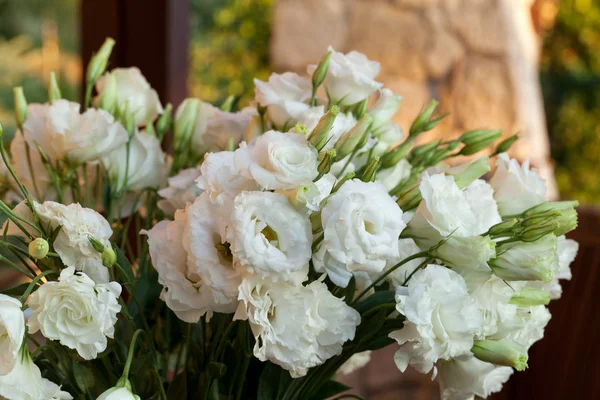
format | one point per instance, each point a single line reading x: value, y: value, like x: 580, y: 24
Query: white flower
x: 527, y: 261
x: 356, y: 362
x: 25, y: 382
x: 446, y: 210
x: 286, y: 97
x: 184, y: 291
x: 41, y: 188
x: 361, y: 226
x: 118, y: 393
x: 147, y: 165
x: 296, y: 327
x: 516, y: 187
x: 308, y: 198
x: 466, y: 377
x: 343, y: 123
x: 208, y: 253
x: 390, y: 134
x: 134, y: 90
x: 392, y: 176
x: 350, y: 77
x: 566, y: 251
x: 278, y: 160
x: 384, y: 110
x: 12, y: 332
x: 406, y: 248
x: 441, y: 319
x: 526, y: 327
x: 77, y: 312
x: 214, y: 128
x: 271, y: 238
x: 182, y: 190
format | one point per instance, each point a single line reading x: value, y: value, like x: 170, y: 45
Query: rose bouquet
x: 273, y: 248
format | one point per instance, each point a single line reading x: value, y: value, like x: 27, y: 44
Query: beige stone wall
x: 479, y: 58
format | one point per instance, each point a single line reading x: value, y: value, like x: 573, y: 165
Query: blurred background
x: 521, y: 65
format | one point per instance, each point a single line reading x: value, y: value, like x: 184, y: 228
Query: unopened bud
x: 185, y: 122
x: 478, y: 146
x: 325, y: 164
x: 99, y: 61
x: 340, y: 183
x: 20, y: 106
x: 38, y: 248
x: 478, y: 135
x: 319, y: 135
x: 424, y: 121
x: 501, y: 352
x: 422, y: 150
x: 149, y: 128
x: 360, y: 108
x: 353, y: 138
x: 109, y: 258
x: 301, y: 129
x: 467, y: 173
x: 254, y: 129
x: 538, y: 231
x: 96, y: 244
x: 127, y: 119
x: 410, y: 198
x: 164, y: 121
x: 503, y: 228
x: 530, y: 297
x: 227, y: 105
x: 566, y: 219
x: 371, y: 170
x: 53, y: 88
x: 506, y: 143
x: 321, y: 71
x: 108, y: 96
x: 393, y: 156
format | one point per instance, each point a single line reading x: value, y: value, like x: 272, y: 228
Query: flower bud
x: 127, y: 119
x: 254, y: 129
x: 506, y: 143
x: 503, y: 228
x: 530, y: 297
x: 321, y: 72
x: 566, y: 219
x: 410, y: 198
x: 301, y: 129
x: 526, y: 261
x: 371, y: 170
x: 384, y: 110
x: 319, y: 135
x: 53, y: 89
x: 353, y: 138
x: 393, y: 156
x: 536, y: 232
x: 149, y: 128
x: 38, y: 248
x: 422, y: 150
x: 227, y: 105
x: 340, y: 183
x: 20, y: 106
x: 109, y: 258
x: 501, y: 352
x: 185, y: 122
x: 467, y: 173
x: 108, y: 96
x: 99, y: 247
x: 164, y: 121
x: 479, y: 135
x: 325, y: 164
x: 360, y: 108
x: 99, y: 61
x: 424, y: 121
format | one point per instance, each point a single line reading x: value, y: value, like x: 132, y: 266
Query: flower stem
x: 125, y: 375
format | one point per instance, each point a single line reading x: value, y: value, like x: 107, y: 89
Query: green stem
x: 15, y: 266
x: 33, y: 283
x: 130, y: 354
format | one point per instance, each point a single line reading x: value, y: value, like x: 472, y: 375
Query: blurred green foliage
x: 230, y: 47
x: 571, y: 86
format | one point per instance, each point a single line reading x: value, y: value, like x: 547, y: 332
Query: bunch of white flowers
x: 277, y: 244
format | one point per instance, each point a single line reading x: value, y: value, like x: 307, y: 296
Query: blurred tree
x: 230, y: 43
x: 571, y: 84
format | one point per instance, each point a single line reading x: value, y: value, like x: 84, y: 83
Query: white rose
x: 308, y: 198
x: 12, y: 332
x: 214, y: 128
x: 278, y: 160
x: 271, y: 238
x: 384, y: 110
x: 343, y: 123
x: 77, y: 312
x: 182, y: 190
x: 147, y: 165
x: 441, y: 319
x: 392, y: 176
x: 446, y: 210
x: 356, y: 362
x: 118, y: 393
x: 516, y: 187
x: 361, y: 225
x: 350, y: 77
x: 184, y: 291
x: 286, y: 97
x: 406, y: 248
x: 25, y: 382
x: 134, y: 90
x: 466, y: 377
x: 296, y: 327
x: 41, y: 188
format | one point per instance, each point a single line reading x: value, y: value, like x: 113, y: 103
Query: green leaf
x: 178, y: 388
x: 273, y: 381
x: 329, y: 389
x: 376, y: 299
x: 370, y: 327
x: 16, y: 291
x: 125, y: 267
x: 83, y: 377
x: 350, y: 290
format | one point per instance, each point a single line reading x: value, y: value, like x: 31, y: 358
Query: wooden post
x: 152, y: 35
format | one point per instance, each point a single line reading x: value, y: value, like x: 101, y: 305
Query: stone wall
x: 479, y: 58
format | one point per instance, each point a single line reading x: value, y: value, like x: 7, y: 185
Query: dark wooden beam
x: 152, y: 35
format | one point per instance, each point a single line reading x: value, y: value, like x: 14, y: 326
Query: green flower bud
x: 109, y: 258
x: 319, y: 135
x: 227, y: 105
x: 503, y: 228
x: 410, y: 198
x: 325, y: 164
x: 99, y: 61
x: 371, y: 170
x: 526, y: 261
x: 164, y: 121
x: 301, y: 129
x: 321, y: 71
x: 479, y: 135
x: 254, y: 129
x: 39, y: 248
x: 393, y: 156
x: 506, y: 143
x: 530, y: 297
x: 127, y: 119
x: 566, y: 219
x: 53, y: 89
x: 108, y: 97
x: 20, y: 106
x: 422, y: 150
x: 424, y: 121
x: 501, y: 352
x: 353, y: 138
x: 360, y: 108
x: 185, y: 123
x: 96, y: 244
x: 536, y: 232
x: 149, y: 128
x: 467, y: 173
